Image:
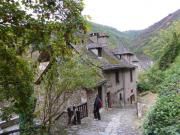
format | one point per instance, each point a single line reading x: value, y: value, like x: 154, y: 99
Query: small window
x: 131, y: 75
x: 120, y: 96
x: 117, y: 77
x: 99, y: 52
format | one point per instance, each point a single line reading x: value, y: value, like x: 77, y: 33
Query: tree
x: 74, y: 73
x: 16, y: 83
x: 171, y: 52
x: 37, y: 24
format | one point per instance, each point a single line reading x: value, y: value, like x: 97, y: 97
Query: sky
x: 129, y: 14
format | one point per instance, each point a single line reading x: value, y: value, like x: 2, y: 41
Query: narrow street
x: 114, y: 122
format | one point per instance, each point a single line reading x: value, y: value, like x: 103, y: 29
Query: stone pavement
x: 114, y: 122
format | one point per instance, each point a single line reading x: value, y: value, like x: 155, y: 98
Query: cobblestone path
x: 114, y: 122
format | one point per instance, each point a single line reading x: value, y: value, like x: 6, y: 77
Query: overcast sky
x: 129, y: 14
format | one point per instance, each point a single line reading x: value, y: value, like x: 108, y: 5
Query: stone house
x: 72, y: 98
x: 142, y: 62
x: 120, y: 87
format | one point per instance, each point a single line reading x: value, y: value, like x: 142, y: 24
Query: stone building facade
x: 118, y: 87
x: 118, y: 69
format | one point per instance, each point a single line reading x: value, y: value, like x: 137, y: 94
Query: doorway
x: 132, y: 99
x: 100, y: 93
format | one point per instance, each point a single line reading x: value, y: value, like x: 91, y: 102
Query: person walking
x: 97, y: 106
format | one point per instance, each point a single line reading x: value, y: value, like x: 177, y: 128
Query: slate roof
x: 122, y: 50
x: 135, y: 59
x: 95, y: 45
x: 118, y: 66
x: 108, y: 61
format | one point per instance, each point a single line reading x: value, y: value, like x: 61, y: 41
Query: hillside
x: 138, y: 41
x: 117, y: 38
x: 142, y: 41
x: 164, y: 79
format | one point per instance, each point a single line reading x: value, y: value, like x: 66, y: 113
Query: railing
x: 83, y: 109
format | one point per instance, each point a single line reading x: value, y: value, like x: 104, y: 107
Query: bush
x: 150, y: 80
x: 164, y: 119
x: 143, y: 86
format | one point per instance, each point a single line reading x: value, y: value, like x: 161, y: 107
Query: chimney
x: 100, y: 38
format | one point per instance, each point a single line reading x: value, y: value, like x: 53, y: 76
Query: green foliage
x: 73, y: 73
x: 116, y: 38
x: 164, y: 119
x: 150, y: 79
x: 16, y: 86
x: 171, y: 79
x: 155, y: 46
x: 170, y: 53
x: 164, y: 78
x: 163, y: 41
x: 67, y: 75
x: 37, y: 25
x: 143, y: 86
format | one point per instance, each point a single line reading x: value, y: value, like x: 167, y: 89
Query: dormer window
x: 99, y: 52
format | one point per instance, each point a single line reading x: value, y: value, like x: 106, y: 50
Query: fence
x: 83, y: 109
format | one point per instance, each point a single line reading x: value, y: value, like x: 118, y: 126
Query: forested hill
x: 142, y: 43
x: 138, y: 41
x: 116, y: 37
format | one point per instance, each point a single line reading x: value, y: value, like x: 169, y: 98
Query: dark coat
x: 97, y: 103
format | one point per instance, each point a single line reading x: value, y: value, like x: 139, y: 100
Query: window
x: 99, y: 52
x: 131, y: 75
x: 117, y: 76
x: 120, y: 96
x: 120, y: 56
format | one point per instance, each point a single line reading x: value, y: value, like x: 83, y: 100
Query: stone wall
x: 91, y: 95
x: 60, y: 124
x: 141, y: 109
x: 67, y: 99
